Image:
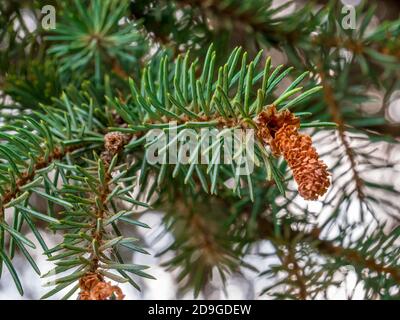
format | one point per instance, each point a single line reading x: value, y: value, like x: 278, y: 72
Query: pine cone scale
x: 280, y: 131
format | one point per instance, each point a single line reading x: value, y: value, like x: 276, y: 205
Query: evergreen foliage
x: 80, y: 105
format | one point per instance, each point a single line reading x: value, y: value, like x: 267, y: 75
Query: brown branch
x: 92, y: 284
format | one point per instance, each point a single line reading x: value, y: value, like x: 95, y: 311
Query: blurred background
x: 246, y: 284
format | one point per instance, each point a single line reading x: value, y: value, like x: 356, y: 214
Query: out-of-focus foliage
x: 98, y: 37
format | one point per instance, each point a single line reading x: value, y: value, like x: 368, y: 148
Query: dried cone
x: 93, y: 287
x: 280, y: 131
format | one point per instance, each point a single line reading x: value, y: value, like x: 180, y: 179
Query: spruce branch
x: 310, y: 261
x: 78, y: 127
x: 34, y: 147
x: 328, y: 248
x: 234, y: 100
x: 295, y: 272
x: 91, y: 246
x: 260, y: 17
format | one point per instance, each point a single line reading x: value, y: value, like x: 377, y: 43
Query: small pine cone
x: 114, y: 142
x: 270, y: 121
x: 104, y: 291
x: 309, y: 171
